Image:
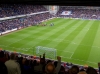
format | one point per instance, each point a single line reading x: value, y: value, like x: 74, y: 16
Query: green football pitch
x: 76, y: 40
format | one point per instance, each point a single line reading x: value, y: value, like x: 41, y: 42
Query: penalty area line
x: 79, y: 60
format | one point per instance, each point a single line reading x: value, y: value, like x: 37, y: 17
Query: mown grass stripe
x: 87, y: 40
x: 71, y: 36
x: 62, y: 34
x: 78, y: 38
x: 20, y: 42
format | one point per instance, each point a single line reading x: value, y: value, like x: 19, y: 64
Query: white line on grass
x: 24, y: 49
x: 57, y: 50
x: 79, y: 60
x: 65, y: 51
x: 71, y: 55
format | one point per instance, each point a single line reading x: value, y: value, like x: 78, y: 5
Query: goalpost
x: 49, y: 52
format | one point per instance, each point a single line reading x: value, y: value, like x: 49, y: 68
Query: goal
x: 49, y: 52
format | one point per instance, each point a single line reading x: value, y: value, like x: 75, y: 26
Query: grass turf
x: 76, y: 41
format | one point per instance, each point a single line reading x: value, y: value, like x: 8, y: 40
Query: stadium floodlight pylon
x: 50, y: 52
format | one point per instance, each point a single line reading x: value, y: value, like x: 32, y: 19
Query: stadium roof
x: 56, y: 2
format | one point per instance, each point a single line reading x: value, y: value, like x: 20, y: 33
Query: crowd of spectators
x: 7, y: 10
x: 15, y: 63
x: 23, y: 22
x: 80, y: 13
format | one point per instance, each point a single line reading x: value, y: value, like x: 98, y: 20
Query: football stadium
x: 70, y: 32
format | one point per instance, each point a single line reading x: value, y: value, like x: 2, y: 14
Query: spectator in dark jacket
x: 3, y: 68
x: 91, y: 70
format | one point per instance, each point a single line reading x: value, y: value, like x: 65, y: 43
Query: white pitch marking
x: 65, y: 51
x: 79, y: 60
x: 71, y: 55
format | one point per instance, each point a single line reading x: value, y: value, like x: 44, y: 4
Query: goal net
x: 49, y: 52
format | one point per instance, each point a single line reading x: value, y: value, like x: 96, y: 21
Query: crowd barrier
x: 8, y: 31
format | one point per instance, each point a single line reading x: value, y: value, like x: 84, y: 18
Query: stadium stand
x: 83, y: 12
x: 23, y: 22
x: 29, y: 64
x: 18, y: 9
